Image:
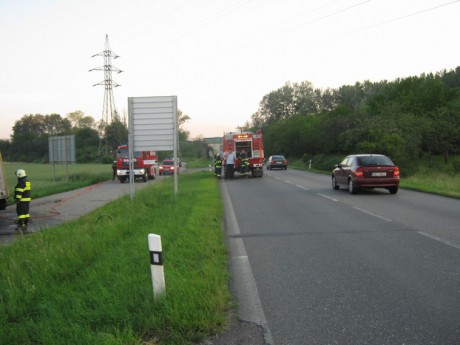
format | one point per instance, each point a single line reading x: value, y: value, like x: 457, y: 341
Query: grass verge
x: 88, y: 281
x: 47, y: 180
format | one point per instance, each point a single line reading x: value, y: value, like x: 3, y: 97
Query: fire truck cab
x: 252, y: 144
x: 144, y: 164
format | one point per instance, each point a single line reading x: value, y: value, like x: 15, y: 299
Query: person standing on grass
x: 22, y: 197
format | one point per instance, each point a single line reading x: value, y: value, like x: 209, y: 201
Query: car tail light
x: 359, y: 172
x: 396, y: 171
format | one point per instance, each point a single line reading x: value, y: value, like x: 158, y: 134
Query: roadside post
x: 156, y: 264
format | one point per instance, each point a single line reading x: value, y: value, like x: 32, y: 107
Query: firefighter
x: 244, y: 165
x: 22, y: 197
x: 218, y: 165
x: 114, y: 170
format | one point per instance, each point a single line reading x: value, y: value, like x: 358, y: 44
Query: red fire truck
x: 252, y: 144
x: 144, y: 164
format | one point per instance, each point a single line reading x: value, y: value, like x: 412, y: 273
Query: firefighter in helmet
x: 22, y: 197
x: 218, y: 165
x: 244, y: 165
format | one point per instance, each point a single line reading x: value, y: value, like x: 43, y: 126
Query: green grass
x: 88, y: 281
x: 47, y: 180
x: 199, y: 163
x: 434, y: 182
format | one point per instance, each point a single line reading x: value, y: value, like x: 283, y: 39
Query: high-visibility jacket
x: 218, y: 166
x: 22, y: 195
x: 22, y: 191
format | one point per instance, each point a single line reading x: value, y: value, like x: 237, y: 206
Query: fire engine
x: 3, y: 186
x: 144, y: 164
x: 252, y: 144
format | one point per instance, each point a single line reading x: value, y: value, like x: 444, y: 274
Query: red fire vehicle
x: 252, y: 144
x: 144, y: 164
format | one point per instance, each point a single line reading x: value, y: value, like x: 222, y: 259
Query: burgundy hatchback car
x: 366, y: 171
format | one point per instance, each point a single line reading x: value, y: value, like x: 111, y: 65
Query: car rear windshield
x: 374, y: 160
x: 168, y: 163
x: 278, y: 158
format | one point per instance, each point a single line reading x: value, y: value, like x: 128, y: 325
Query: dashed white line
x: 327, y: 197
x: 439, y: 239
x: 305, y: 188
x: 372, y: 214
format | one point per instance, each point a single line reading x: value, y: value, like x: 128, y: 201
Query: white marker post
x: 156, y: 264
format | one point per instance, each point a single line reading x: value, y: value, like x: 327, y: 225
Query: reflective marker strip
x: 156, y: 258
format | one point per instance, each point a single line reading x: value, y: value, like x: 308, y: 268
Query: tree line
x: 406, y: 119
x: 94, y: 142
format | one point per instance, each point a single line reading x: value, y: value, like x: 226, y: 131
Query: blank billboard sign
x: 61, y: 149
x: 153, y: 122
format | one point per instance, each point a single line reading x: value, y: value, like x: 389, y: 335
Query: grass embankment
x: 47, y: 180
x: 88, y: 281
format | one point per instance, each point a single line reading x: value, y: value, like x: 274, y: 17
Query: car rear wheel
x: 351, y: 186
x: 334, y: 183
x: 393, y: 189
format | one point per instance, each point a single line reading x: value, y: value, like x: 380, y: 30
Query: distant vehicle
x: 178, y: 160
x: 277, y: 162
x: 3, y: 186
x: 144, y: 164
x: 167, y: 167
x: 366, y: 171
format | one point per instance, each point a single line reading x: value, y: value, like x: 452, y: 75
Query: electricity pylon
x: 109, y: 111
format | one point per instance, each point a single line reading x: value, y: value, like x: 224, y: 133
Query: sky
x: 220, y: 58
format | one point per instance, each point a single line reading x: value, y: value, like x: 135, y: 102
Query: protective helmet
x: 20, y: 173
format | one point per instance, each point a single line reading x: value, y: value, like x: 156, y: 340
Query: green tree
x: 116, y: 134
x: 29, y: 141
x: 78, y: 119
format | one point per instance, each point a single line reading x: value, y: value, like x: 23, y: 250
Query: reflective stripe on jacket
x: 22, y: 191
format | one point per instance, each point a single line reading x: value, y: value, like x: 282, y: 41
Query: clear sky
x: 219, y: 57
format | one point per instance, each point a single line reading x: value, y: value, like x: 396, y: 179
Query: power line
x: 390, y: 21
x: 200, y: 25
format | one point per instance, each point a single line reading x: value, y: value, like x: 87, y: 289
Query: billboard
x: 61, y: 149
x: 153, y: 122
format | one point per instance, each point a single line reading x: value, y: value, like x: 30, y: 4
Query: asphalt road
x: 326, y: 267
x: 58, y: 208
x: 310, y: 265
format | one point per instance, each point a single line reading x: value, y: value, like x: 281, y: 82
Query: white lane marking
x: 327, y: 197
x: 372, y: 214
x: 305, y: 188
x: 439, y: 239
x: 250, y: 308
x: 288, y: 181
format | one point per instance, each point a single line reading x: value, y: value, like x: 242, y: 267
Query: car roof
x: 366, y: 155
